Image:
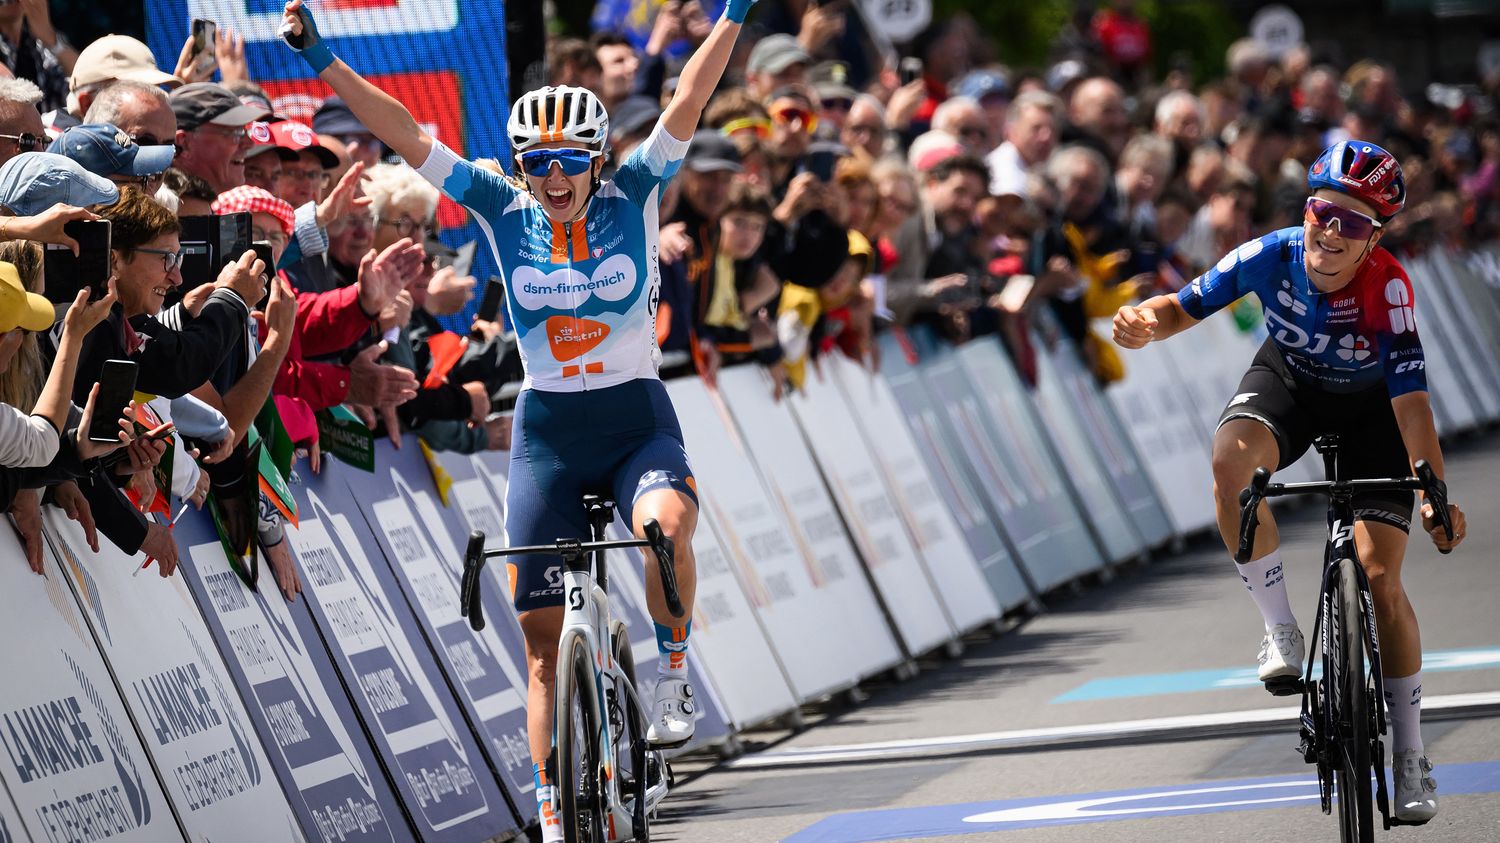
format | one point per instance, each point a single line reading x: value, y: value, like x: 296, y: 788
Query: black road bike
x: 1343, y: 712
x: 608, y: 779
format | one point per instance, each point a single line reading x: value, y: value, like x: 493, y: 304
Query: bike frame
x: 1321, y: 733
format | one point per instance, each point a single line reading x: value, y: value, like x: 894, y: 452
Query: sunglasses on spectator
x: 144, y: 139
x: 302, y: 175
x: 27, y: 141
x: 1350, y: 224
x: 971, y: 132
x: 275, y: 237
x: 574, y: 162
x: 837, y: 104
x: 236, y: 133
x: 759, y: 126
x: 788, y: 114
x: 149, y: 183
x: 406, y: 226
x: 169, y: 259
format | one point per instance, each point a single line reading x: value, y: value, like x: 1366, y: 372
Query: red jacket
x: 327, y: 323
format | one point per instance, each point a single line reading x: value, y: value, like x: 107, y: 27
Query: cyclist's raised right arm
x: 382, y: 114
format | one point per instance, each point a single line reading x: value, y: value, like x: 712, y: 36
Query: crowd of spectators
x: 835, y: 190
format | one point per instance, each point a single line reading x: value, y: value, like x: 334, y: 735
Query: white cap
x: 118, y: 57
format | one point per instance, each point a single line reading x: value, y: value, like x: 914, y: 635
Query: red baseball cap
x: 260, y: 135
x: 289, y: 134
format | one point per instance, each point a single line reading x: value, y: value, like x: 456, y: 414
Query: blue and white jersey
x: 1345, y: 341
x: 582, y: 295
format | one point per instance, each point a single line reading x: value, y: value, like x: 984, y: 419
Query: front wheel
x: 576, y: 738
x: 1356, y: 816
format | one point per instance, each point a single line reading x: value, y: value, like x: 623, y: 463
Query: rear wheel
x: 1356, y: 816
x: 576, y: 733
x: 630, y: 754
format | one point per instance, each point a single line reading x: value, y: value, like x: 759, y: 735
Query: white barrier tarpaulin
x: 420, y: 539
x: 1166, y: 435
x: 390, y: 672
x: 959, y: 496
x: 828, y: 634
x: 306, y: 722
x: 176, y: 686
x: 76, y: 768
x: 989, y: 409
x: 960, y: 582
x: 11, y: 828
x: 1060, y: 419
x: 1461, y: 330
x: 857, y: 488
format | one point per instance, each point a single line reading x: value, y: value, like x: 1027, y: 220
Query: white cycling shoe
x: 1281, y: 654
x: 1415, y: 799
x: 673, y: 714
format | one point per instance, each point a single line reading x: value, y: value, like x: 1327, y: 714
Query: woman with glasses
x: 579, y: 258
x: 1343, y: 357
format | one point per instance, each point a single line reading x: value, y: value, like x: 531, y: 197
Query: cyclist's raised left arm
x: 703, y: 70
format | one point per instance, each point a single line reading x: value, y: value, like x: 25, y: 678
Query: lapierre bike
x: 608, y: 780
x: 1343, y: 713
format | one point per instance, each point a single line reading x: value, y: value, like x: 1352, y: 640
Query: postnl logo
x: 572, y: 338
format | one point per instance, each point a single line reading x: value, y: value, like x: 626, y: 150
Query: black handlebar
x: 475, y: 556
x: 1434, y: 491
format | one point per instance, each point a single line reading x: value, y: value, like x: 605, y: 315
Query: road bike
x: 609, y: 781
x: 1343, y: 712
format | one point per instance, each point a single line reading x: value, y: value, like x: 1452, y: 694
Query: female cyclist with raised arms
x: 1343, y: 357
x: 579, y: 260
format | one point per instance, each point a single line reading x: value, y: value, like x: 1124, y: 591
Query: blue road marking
x: 1218, y: 679
x: 1074, y: 809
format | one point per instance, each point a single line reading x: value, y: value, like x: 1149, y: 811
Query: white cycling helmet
x: 563, y: 113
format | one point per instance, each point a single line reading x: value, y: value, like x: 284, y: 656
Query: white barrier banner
x: 11, y: 828
x: 74, y: 765
x: 960, y: 582
x: 1000, y: 430
x: 1059, y: 416
x: 854, y: 481
x: 179, y: 692
x: 1459, y: 329
x: 1165, y: 432
x: 389, y: 671
x: 828, y: 634
x: 958, y: 494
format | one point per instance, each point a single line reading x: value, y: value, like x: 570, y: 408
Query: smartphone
x: 205, y: 32
x: 197, y: 252
x: 231, y: 239
x: 489, y: 305
x: 157, y: 434
x: 821, y: 159
x: 116, y: 388
x: 67, y: 273
x: 911, y: 69
x: 263, y: 251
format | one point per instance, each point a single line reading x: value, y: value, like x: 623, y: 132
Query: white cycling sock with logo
x: 1403, y: 704
x: 1267, y: 585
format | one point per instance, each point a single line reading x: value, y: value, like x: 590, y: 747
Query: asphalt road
x: 1167, y: 639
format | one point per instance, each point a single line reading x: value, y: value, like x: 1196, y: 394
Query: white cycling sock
x: 1263, y: 577
x: 1403, y: 704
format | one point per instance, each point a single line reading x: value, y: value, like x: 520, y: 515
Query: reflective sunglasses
x: 789, y: 114
x: 27, y: 142
x: 758, y: 126
x: 574, y: 162
x: 1351, y: 225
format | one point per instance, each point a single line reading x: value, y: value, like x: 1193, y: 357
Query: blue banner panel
x: 423, y: 541
x: 390, y: 672
x: 277, y: 660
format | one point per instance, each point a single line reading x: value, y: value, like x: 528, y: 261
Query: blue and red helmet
x: 1364, y: 171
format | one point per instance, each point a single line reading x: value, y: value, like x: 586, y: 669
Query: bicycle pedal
x: 1285, y: 686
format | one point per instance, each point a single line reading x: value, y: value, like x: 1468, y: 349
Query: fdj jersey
x: 582, y: 295
x: 1345, y: 341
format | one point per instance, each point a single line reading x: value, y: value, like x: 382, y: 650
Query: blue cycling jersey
x: 582, y: 295
x: 1345, y: 341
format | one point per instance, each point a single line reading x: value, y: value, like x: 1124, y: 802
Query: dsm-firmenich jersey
x: 1345, y: 341
x: 582, y: 295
